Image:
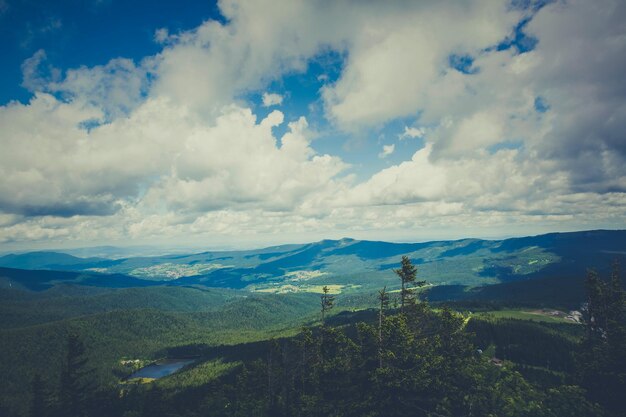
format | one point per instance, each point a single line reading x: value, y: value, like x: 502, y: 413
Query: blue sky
x: 75, y: 33
x: 238, y: 124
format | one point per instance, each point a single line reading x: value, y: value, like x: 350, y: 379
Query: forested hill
x: 353, y: 264
x: 407, y: 362
x: 277, y: 347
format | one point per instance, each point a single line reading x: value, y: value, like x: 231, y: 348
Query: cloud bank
x: 502, y: 139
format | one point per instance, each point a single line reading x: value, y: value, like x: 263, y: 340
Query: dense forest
x: 404, y: 358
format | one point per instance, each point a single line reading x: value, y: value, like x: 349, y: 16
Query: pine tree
x: 602, y: 360
x: 383, y: 298
x: 407, y: 274
x: 327, y: 301
x: 74, y: 389
x: 306, y: 343
x: 38, y: 402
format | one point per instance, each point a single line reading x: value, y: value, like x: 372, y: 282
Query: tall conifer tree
x: 407, y: 273
x: 327, y: 301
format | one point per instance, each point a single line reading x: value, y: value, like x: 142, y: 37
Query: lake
x: 161, y: 368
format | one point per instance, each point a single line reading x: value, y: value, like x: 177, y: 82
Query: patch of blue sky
x: 88, y: 33
x: 462, y: 63
x: 519, y: 40
x: 301, y: 93
x: 507, y: 144
x: 532, y: 5
x: 541, y: 105
x: 363, y: 152
x: 90, y: 124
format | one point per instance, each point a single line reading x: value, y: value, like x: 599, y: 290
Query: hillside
x: 347, y: 265
x: 38, y: 280
x: 129, y: 329
x: 50, y: 260
x: 230, y: 314
x: 20, y: 308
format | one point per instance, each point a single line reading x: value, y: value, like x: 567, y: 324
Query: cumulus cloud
x: 583, y: 86
x: 251, y: 172
x: 160, y: 148
x: 117, y: 87
x: 387, y: 150
x: 161, y: 35
x: 163, y: 151
x: 272, y: 99
x: 412, y: 132
x: 392, y: 66
x: 35, y: 75
x: 262, y: 41
x: 51, y: 166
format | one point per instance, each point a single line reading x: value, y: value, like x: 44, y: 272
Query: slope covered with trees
x: 392, y: 362
x: 349, y: 265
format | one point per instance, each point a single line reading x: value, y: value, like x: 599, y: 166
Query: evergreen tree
x: 383, y: 299
x: 306, y: 342
x: 407, y: 273
x: 602, y: 359
x: 327, y: 301
x: 38, y: 403
x: 74, y: 388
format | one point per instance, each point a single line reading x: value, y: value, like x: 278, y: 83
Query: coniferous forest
x: 401, y: 357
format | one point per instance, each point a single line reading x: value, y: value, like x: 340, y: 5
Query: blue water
x: 161, y: 368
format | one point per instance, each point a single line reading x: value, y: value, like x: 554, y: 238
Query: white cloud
x: 272, y: 99
x: 181, y: 157
x: 473, y: 133
x: 412, y: 132
x: 581, y: 80
x: 387, y: 150
x: 392, y: 65
x: 262, y: 41
x: 251, y: 172
x: 161, y: 35
x: 117, y: 87
x: 32, y: 73
x: 163, y: 152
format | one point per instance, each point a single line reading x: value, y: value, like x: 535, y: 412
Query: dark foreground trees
x: 75, y: 393
x: 602, y: 356
x: 429, y: 367
x: 414, y: 362
x: 75, y: 386
x: 435, y: 372
x: 38, y: 404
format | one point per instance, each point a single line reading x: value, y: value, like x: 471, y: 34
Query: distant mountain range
x: 346, y: 265
x: 46, y: 260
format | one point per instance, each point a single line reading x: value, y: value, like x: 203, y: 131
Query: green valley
x: 500, y: 317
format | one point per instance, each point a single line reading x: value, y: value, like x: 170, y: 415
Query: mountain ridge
x: 347, y: 264
x: 75, y: 260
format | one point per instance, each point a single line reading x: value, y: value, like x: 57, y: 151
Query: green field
x: 532, y: 315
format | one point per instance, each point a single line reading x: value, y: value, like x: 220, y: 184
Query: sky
x: 249, y: 123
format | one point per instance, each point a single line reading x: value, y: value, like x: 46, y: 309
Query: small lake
x: 161, y: 368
